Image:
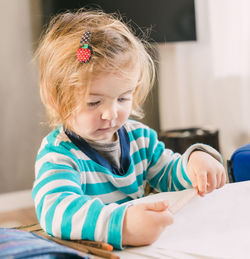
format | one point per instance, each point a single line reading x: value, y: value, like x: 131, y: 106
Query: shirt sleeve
x: 63, y: 209
x: 167, y: 171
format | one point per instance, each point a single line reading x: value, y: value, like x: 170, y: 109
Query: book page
x: 214, y: 226
x: 177, y: 200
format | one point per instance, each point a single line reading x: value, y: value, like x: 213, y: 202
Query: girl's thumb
x: 157, y: 206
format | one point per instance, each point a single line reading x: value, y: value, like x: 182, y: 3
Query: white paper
x: 214, y: 226
x: 177, y: 200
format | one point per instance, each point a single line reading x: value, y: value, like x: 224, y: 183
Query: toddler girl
x: 95, y: 74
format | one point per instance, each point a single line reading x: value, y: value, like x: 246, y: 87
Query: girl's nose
x: 109, y: 112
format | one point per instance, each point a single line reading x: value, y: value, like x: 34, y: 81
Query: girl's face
x: 107, y: 107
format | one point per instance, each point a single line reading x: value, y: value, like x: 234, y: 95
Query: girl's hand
x: 205, y: 172
x: 143, y: 223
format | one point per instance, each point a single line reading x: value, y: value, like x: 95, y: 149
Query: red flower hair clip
x: 84, y: 53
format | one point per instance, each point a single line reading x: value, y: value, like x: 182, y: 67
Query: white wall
x: 207, y: 82
x: 20, y: 107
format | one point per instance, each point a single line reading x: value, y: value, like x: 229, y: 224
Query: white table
x: 214, y: 226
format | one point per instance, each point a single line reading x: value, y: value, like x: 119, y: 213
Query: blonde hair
x: 64, y: 80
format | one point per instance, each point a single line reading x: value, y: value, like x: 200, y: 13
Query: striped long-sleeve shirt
x: 78, y: 198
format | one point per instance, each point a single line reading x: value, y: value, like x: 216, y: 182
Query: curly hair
x: 64, y: 81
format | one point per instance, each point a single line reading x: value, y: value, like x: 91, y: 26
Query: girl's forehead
x: 113, y: 83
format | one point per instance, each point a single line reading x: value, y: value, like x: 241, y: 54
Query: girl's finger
x: 193, y: 179
x: 219, y: 178
x: 212, y: 181
x: 223, y: 180
x: 157, y: 206
x: 202, y: 183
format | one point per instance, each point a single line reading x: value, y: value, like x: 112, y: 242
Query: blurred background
x: 203, y: 55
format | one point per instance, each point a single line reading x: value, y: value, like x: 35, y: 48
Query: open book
x: 214, y: 226
x: 177, y: 200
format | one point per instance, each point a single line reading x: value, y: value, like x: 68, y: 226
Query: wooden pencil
x: 80, y: 247
x: 30, y: 228
x: 97, y: 244
x: 60, y: 241
x: 86, y: 246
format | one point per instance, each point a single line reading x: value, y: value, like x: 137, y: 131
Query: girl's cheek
x: 125, y: 114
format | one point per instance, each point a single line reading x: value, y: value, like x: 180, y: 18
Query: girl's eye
x: 93, y: 103
x: 123, y: 99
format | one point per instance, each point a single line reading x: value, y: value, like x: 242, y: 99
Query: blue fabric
x: 95, y: 156
x: 19, y: 244
x: 241, y: 163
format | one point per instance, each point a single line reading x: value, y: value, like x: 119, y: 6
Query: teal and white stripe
x: 76, y: 198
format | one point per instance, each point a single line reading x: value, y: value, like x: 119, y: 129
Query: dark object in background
x: 170, y: 20
x: 180, y: 139
x: 238, y: 166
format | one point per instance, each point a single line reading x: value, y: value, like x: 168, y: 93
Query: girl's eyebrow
x: 127, y: 92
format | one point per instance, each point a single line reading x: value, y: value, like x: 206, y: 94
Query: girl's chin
x: 105, y: 138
